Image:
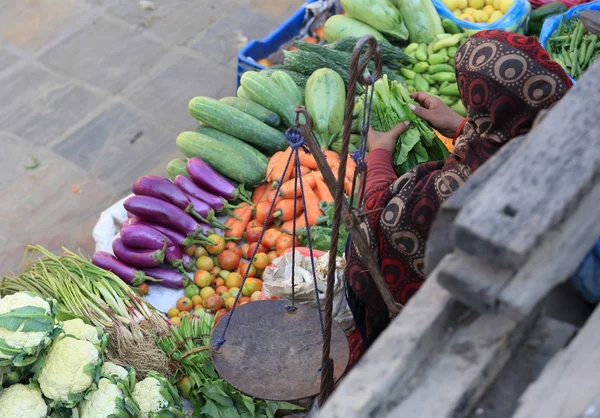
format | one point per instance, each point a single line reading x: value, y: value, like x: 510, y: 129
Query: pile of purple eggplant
x: 164, y: 218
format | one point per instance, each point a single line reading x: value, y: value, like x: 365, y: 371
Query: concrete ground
x: 93, y: 94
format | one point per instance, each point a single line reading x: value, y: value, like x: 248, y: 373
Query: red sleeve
x: 380, y: 169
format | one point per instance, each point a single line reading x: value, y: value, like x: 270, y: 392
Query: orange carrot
x: 350, y: 168
x: 288, y: 226
x: 347, y: 182
x: 279, y: 168
x: 244, y: 212
x: 322, y: 190
x: 285, y: 209
x: 303, y: 171
x: 307, y: 160
x: 331, y: 155
x: 287, y: 188
x: 259, y: 192
x: 272, y: 163
x: 313, y: 211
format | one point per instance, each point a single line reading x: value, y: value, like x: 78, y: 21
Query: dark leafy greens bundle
x: 320, y: 234
x: 419, y: 143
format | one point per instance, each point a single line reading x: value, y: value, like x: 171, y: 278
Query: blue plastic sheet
x: 515, y: 20
x: 587, y: 278
x: 551, y: 24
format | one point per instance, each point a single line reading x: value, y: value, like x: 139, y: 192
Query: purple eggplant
x: 138, y: 257
x: 207, y: 178
x: 172, y: 279
x: 175, y: 236
x: 147, y: 237
x: 203, y: 209
x: 217, y: 203
x: 128, y: 274
x: 161, y: 188
x: 165, y: 213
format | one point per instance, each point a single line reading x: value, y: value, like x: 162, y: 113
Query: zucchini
x: 283, y: 80
x: 268, y: 94
x: 224, y: 159
x: 325, y: 102
x: 227, y: 139
x: 176, y: 168
x: 253, y: 109
x: 238, y: 124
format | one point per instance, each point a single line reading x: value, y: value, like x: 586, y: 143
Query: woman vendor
x: 504, y: 80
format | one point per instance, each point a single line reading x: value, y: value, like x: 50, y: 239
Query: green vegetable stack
x: 573, y: 47
x: 539, y: 15
x: 419, y: 143
x: 433, y: 68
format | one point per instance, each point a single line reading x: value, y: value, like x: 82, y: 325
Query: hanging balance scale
x: 280, y: 350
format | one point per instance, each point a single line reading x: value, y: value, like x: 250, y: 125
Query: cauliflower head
x: 20, y: 401
x: 111, y: 369
x: 155, y: 395
x: 27, y: 326
x: 113, y: 397
x: 81, y: 330
x: 71, y: 368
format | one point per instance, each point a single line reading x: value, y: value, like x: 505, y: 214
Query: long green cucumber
x: 288, y: 85
x: 253, y: 109
x: 233, y: 142
x: 176, y: 167
x: 238, y: 124
x: 226, y: 160
x: 267, y: 93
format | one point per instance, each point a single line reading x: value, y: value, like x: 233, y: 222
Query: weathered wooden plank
x: 547, y: 338
x: 570, y: 383
x: 464, y: 369
x: 473, y: 281
x: 441, y: 236
x: 554, y: 168
x: 385, y: 372
x: 555, y: 258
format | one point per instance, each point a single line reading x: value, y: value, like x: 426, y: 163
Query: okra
x: 420, y: 67
x: 407, y: 74
x: 452, y: 40
x: 440, y: 68
x: 450, y: 90
x: 411, y: 48
x: 439, y: 77
x: 437, y: 59
x: 420, y: 83
x: 421, y: 52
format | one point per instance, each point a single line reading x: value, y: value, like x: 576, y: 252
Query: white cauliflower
x: 27, y: 326
x: 155, y: 395
x: 113, y: 397
x: 81, y: 330
x: 71, y: 368
x: 20, y: 401
x: 111, y: 369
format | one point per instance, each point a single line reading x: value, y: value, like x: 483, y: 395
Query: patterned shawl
x: 504, y: 81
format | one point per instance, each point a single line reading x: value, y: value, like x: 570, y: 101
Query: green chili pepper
x: 439, y: 77
x: 437, y: 59
x: 420, y: 83
x: 421, y: 52
x: 440, y: 68
x: 450, y: 90
x: 407, y: 74
x: 411, y: 48
x: 420, y: 67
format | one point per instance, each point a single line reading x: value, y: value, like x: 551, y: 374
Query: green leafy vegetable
x: 419, y: 143
x: 320, y: 234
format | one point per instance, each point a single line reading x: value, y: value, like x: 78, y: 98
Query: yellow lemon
x: 495, y: 16
x: 457, y: 12
x: 489, y: 2
x: 466, y: 17
x: 477, y: 4
x: 480, y: 16
x: 505, y: 5
x: 489, y: 10
x: 469, y: 11
x: 451, y: 4
x: 463, y: 4
x: 496, y: 4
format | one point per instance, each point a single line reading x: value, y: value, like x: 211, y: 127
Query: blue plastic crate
x: 256, y: 50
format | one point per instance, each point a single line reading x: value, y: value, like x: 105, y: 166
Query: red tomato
x: 261, y: 261
x: 253, y: 233
x: 229, y: 260
x: 232, y: 246
x: 270, y: 237
x: 283, y: 243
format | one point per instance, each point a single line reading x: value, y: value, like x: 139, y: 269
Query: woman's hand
x: 440, y: 116
x: 386, y: 140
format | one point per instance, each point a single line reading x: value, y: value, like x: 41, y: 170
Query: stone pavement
x: 96, y: 91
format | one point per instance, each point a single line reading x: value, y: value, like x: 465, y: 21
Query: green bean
x: 582, y: 52
x: 590, y: 50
